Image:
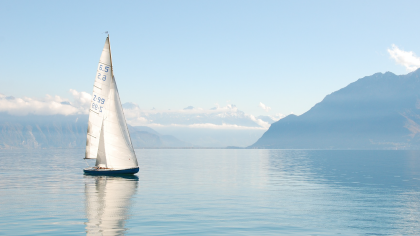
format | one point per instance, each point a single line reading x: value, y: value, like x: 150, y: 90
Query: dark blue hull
x: 93, y: 171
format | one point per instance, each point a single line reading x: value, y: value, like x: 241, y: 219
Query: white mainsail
x: 108, y: 139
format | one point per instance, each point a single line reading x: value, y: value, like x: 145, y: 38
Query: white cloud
x: 227, y: 117
x: 81, y: 100
x: 277, y: 117
x: 407, y: 59
x: 271, y: 118
x: 49, y: 105
x: 260, y: 122
x: 264, y: 107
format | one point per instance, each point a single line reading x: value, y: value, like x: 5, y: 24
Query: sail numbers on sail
x: 98, y: 105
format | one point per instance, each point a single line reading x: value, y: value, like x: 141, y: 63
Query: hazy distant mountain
x: 36, y: 131
x: 60, y: 131
x: 207, y: 137
x: 145, y: 137
x: 381, y: 111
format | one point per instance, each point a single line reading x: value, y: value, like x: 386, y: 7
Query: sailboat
x: 108, y: 140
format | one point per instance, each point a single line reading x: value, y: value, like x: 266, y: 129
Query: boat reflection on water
x: 108, y: 199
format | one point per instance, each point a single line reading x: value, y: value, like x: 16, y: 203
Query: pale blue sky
x: 172, y: 54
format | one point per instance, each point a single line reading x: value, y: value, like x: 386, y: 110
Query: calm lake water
x: 213, y: 192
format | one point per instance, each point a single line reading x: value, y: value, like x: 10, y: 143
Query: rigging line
x: 86, y: 162
x: 95, y: 111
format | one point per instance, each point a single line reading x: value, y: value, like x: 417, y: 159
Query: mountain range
x: 381, y: 111
x: 60, y: 131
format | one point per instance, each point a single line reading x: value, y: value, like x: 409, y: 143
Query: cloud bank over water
x: 227, y: 117
x: 48, y: 105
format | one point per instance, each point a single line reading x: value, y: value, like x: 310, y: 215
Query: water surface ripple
x: 213, y: 192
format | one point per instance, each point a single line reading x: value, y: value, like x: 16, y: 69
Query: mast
x: 110, y: 56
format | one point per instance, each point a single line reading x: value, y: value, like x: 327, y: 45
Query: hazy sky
x: 286, y: 55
